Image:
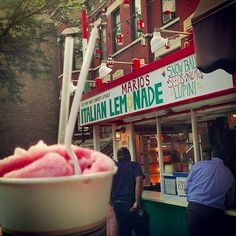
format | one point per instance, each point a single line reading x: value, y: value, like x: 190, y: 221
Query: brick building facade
x: 134, y: 45
x: 36, y: 117
x: 154, y: 15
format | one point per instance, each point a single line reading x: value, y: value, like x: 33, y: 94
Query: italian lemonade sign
x: 175, y: 82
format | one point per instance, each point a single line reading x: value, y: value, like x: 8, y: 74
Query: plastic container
x: 59, y: 205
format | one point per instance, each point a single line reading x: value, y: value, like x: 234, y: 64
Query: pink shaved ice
x: 42, y: 160
x: 50, y: 165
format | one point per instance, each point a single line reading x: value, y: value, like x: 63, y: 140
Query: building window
x: 116, y: 25
x: 168, y: 11
x: 77, y: 56
x: 135, y: 10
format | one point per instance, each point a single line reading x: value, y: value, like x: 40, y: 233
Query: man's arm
x: 138, y: 193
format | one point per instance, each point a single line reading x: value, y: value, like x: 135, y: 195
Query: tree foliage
x: 24, y: 26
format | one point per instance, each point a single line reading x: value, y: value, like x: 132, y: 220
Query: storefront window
x: 149, y: 158
x: 177, y: 149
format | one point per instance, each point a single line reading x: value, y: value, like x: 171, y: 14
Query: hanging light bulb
x: 126, y: 3
x: 119, y: 37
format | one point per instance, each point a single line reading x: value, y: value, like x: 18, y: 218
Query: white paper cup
x: 59, y: 205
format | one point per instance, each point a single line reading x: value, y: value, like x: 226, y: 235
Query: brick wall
x: 37, y: 117
x: 152, y: 15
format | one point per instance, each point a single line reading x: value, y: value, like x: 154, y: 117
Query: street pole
x: 65, y: 93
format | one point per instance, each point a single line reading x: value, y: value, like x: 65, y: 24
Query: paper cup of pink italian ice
x: 41, y: 195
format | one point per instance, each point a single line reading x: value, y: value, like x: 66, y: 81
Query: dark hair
x: 220, y: 151
x: 123, y: 153
x: 208, y: 150
x: 206, y: 153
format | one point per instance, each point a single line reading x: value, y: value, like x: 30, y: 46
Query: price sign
x: 180, y: 183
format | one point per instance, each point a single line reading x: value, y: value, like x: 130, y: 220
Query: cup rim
x: 101, y: 174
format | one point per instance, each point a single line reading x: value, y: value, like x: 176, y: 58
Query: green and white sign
x: 175, y: 82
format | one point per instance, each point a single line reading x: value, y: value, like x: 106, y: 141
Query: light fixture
x: 158, y: 41
x: 118, y: 133
x: 72, y: 88
x: 104, y: 70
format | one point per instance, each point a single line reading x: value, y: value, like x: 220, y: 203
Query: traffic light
x: 135, y: 64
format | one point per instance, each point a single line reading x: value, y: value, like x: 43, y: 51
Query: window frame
x: 133, y: 16
x: 116, y: 24
x: 167, y: 18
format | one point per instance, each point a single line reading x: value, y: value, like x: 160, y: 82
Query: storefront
x: 167, y: 112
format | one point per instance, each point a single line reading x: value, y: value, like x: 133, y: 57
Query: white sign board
x: 175, y: 82
x: 180, y: 183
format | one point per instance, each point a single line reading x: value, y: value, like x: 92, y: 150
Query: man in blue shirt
x: 126, y: 196
x: 210, y: 189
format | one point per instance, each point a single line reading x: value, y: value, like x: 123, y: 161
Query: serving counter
x: 167, y: 214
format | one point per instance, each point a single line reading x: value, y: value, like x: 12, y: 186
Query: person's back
x: 126, y: 196
x: 124, y: 182
x: 210, y: 183
x: 210, y: 189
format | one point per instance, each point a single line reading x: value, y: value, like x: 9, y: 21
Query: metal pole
x: 160, y: 153
x: 65, y: 93
x: 96, y: 138
x: 195, y: 136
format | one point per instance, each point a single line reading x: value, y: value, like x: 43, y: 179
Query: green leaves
x: 27, y: 34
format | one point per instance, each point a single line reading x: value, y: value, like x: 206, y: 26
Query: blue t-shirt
x: 123, y: 186
x: 211, y: 183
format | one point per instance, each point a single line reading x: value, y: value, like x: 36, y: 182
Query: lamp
x: 118, y: 133
x: 158, y: 41
x: 104, y: 70
x: 72, y: 88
